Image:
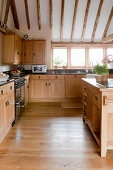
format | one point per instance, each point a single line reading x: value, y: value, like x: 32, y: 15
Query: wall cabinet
x: 12, y: 49
x: 74, y: 86
x: 47, y: 87
x: 34, y: 52
x: 7, y: 105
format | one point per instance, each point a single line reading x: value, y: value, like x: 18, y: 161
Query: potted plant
x: 101, y: 73
x: 57, y: 62
x: 98, y: 71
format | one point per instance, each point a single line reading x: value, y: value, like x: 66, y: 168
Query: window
x: 78, y: 57
x: 95, y: 56
x: 109, y: 51
x: 59, y: 57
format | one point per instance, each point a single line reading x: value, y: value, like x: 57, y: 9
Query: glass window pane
x: 59, y: 57
x: 110, y: 51
x: 95, y: 56
x: 78, y: 57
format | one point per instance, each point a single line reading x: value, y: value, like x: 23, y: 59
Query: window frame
x: 84, y: 46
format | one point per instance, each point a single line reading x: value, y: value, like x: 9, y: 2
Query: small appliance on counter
x: 3, y: 77
x: 39, y: 69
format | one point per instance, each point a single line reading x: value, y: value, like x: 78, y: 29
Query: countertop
x: 6, y: 82
x: 103, y: 86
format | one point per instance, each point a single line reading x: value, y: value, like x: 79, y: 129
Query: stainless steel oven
x: 19, y: 97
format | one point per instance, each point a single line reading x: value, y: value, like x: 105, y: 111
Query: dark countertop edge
x: 6, y: 82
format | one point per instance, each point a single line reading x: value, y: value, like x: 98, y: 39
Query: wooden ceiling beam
x: 108, y: 38
x: 108, y: 23
x: 14, y: 12
x: 38, y: 11
x: 96, y: 20
x: 27, y: 14
x: 85, y: 19
x: 74, y: 19
x: 62, y: 20
x: 50, y: 6
x: 7, y: 11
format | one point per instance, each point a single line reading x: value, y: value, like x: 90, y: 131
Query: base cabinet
x: 7, y: 109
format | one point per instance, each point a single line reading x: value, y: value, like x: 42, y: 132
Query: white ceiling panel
x: 91, y: 19
x: 68, y: 19
x: 106, y: 8
x: 110, y: 30
x: 79, y: 20
x: 56, y: 20
x: 44, y: 12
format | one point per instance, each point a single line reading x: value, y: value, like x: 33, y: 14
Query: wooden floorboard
x: 48, y: 137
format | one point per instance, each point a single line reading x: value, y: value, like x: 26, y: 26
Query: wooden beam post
x: 108, y: 23
x: 50, y: 6
x: 7, y: 11
x: 96, y: 21
x: 74, y: 19
x: 27, y: 13
x: 85, y: 19
x: 62, y: 19
x: 14, y: 12
x: 107, y: 38
x: 38, y: 11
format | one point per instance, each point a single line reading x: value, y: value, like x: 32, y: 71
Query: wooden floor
x: 51, y: 138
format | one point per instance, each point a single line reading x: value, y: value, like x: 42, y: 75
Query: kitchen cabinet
x: 74, y: 86
x: 34, y: 51
x: 27, y: 78
x: 47, y: 87
x: 27, y: 52
x: 7, y: 106
x: 12, y: 49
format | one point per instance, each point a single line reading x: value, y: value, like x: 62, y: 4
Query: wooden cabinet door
x: 8, y: 49
x: 9, y: 109
x: 39, y: 51
x: 74, y: 86
x: 38, y: 89
x: 27, y: 52
x: 18, y: 50
x: 56, y: 89
x: 2, y: 117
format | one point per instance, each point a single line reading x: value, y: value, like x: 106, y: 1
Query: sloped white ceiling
x: 68, y: 18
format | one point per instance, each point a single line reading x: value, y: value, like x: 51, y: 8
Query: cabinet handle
x: 56, y: 77
x: 7, y: 103
x: 27, y: 86
x: 46, y: 84
x: 24, y: 54
x: 39, y: 77
x: 96, y: 98
x: 49, y: 84
x: 11, y: 88
x: 18, y: 52
x: 2, y: 92
x: 34, y: 54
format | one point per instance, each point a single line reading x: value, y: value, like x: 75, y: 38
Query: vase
x: 99, y: 78
x: 110, y: 65
x: 105, y: 77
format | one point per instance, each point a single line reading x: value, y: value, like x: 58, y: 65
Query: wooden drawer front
x: 10, y: 87
x: 39, y: 77
x: 53, y: 77
x: 3, y: 90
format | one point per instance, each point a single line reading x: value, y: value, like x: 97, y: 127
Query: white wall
x: 10, y: 25
x: 36, y: 34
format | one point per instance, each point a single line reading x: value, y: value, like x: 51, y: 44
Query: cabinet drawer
x: 53, y: 77
x: 39, y: 77
x: 10, y: 87
x: 3, y: 90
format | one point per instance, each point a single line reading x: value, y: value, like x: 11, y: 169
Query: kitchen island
x: 98, y: 112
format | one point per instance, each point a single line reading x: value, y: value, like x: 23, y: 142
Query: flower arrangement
x: 107, y: 59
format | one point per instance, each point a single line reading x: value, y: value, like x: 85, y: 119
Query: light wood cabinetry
x: 27, y: 78
x: 12, y: 49
x: 74, y: 86
x: 47, y: 87
x: 34, y: 51
x: 7, y: 104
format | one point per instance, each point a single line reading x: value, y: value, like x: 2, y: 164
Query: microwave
x: 39, y: 69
